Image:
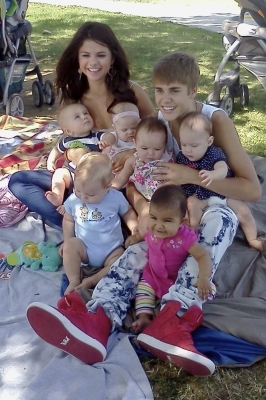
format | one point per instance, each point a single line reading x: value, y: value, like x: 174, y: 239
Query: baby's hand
x: 51, y: 166
x: 204, y: 287
x: 103, y: 144
x: 133, y: 239
x: 207, y: 176
x: 61, y: 209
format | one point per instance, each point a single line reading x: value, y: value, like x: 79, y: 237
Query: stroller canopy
x: 256, y: 8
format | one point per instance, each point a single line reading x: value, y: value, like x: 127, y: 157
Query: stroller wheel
x: 37, y: 94
x: 49, y: 93
x: 244, y: 95
x: 15, y: 106
x: 227, y: 104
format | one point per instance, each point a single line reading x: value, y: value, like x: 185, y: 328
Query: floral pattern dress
x: 142, y: 175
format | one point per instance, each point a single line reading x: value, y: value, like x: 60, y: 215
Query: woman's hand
x: 175, y: 174
x: 120, y: 159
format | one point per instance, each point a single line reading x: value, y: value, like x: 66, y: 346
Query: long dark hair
x: 73, y: 86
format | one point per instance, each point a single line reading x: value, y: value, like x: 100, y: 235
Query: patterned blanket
x: 25, y: 144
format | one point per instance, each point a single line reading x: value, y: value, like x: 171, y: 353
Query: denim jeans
x: 30, y: 187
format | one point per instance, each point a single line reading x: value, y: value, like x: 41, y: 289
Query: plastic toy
x: 43, y: 255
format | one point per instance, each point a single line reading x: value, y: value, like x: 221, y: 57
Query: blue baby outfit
x: 211, y: 157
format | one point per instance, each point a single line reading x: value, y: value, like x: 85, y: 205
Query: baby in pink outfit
x: 169, y: 244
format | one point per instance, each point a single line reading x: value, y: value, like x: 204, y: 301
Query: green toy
x: 43, y: 255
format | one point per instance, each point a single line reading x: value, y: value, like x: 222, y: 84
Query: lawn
x: 145, y: 40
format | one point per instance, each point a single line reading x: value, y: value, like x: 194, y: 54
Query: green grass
x: 145, y: 40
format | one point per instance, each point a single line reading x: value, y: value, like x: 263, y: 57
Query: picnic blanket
x: 234, y: 321
x: 25, y: 144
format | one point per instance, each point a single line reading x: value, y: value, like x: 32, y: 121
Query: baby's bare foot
x: 53, y: 198
x: 71, y: 287
x: 139, y: 325
x: 61, y: 210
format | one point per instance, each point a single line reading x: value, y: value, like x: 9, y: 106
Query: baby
x: 76, y: 124
x: 169, y: 244
x: 197, y: 151
x: 91, y: 225
x: 150, y: 143
x: 125, y: 118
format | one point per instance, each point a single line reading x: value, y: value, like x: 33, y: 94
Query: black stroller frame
x: 245, y: 45
x: 14, y: 62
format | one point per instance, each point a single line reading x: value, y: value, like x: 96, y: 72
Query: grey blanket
x: 240, y: 306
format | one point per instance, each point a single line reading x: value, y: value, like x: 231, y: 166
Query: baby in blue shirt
x: 92, y: 225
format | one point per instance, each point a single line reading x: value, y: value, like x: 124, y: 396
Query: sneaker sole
x: 193, y: 363
x: 55, y: 329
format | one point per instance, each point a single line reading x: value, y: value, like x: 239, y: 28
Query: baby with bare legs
x: 91, y: 225
x: 198, y: 152
x: 78, y: 139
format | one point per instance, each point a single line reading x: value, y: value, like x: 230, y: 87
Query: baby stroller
x: 245, y: 46
x: 14, y: 60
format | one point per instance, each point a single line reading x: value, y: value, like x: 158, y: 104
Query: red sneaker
x: 191, y: 319
x: 170, y: 341
x: 72, y: 328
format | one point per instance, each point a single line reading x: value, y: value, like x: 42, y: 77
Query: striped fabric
x: 145, y: 298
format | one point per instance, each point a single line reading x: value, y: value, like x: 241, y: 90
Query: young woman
x: 94, y: 70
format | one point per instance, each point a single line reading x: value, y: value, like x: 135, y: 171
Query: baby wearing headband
x: 125, y: 120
